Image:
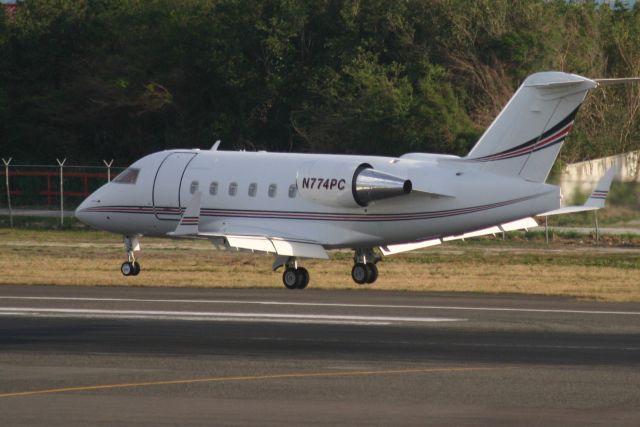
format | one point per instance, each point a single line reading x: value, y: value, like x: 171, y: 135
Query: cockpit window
x: 128, y: 176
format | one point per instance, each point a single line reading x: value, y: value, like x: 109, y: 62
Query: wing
x: 241, y: 236
x: 521, y: 224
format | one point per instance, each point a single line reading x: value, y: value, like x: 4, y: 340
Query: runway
x: 157, y: 356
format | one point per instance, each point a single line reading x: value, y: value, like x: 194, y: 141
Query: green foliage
x: 625, y: 194
x: 90, y: 79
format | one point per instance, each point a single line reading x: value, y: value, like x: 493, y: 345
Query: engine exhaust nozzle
x: 370, y: 185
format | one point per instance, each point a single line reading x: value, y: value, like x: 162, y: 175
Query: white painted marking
x: 312, y: 304
x: 190, y: 318
x: 219, y: 316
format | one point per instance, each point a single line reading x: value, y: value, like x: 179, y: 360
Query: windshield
x: 128, y: 176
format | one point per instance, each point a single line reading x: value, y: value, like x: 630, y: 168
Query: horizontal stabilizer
x: 569, y: 80
x: 624, y: 80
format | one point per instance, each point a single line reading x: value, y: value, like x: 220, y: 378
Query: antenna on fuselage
x: 215, y: 146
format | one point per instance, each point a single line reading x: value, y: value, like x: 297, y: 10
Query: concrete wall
x: 582, y: 177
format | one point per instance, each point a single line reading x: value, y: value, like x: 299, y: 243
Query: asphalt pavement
x: 155, y: 356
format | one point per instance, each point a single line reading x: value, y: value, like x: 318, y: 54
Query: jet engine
x: 348, y: 184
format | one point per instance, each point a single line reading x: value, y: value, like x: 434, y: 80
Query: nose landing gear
x: 130, y: 267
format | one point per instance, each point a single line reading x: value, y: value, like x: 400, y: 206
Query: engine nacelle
x: 347, y: 184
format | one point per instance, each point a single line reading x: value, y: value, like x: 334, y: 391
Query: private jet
x: 299, y: 206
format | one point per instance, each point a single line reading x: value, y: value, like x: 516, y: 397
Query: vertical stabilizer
x: 526, y: 137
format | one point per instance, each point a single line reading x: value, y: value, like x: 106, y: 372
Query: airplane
x: 299, y: 206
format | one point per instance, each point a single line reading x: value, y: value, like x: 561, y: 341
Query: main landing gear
x: 364, y: 270
x: 130, y: 267
x: 294, y: 277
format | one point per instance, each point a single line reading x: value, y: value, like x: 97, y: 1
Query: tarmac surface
x: 155, y: 356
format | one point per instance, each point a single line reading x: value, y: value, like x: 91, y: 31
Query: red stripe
x: 534, y: 147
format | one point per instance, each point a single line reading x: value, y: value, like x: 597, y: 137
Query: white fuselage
x: 267, y: 198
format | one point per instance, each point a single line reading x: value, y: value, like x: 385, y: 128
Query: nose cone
x: 82, y: 212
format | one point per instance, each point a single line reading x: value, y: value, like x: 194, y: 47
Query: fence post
x: 595, y: 217
x: 6, y: 180
x: 61, y: 164
x: 546, y: 229
x: 108, y: 165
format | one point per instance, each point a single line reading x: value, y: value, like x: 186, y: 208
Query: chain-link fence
x: 58, y: 187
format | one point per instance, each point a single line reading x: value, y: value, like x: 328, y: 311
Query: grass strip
x: 93, y: 258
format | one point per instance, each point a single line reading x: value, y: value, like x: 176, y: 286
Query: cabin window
x: 273, y: 189
x: 128, y: 176
x: 213, y: 188
x: 233, y: 188
x: 194, y: 187
x: 253, y: 189
x: 293, y: 190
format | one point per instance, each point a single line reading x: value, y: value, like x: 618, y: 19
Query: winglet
x: 601, y: 191
x: 597, y: 198
x: 188, y: 224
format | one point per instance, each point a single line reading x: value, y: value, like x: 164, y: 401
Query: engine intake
x: 348, y: 184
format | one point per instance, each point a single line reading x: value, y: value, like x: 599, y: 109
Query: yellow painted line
x: 240, y: 378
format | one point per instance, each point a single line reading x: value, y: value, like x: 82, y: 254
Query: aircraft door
x: 166, y: 186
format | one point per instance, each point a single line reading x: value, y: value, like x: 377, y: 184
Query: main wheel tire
x: 136, y: 268
x: 303, y: 277
x: 372, y: 272
x: 359, y: 273
x: 127, y: 268
x: 290, y: 278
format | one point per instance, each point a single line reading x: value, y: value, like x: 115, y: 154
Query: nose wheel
x: 130, y: 267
